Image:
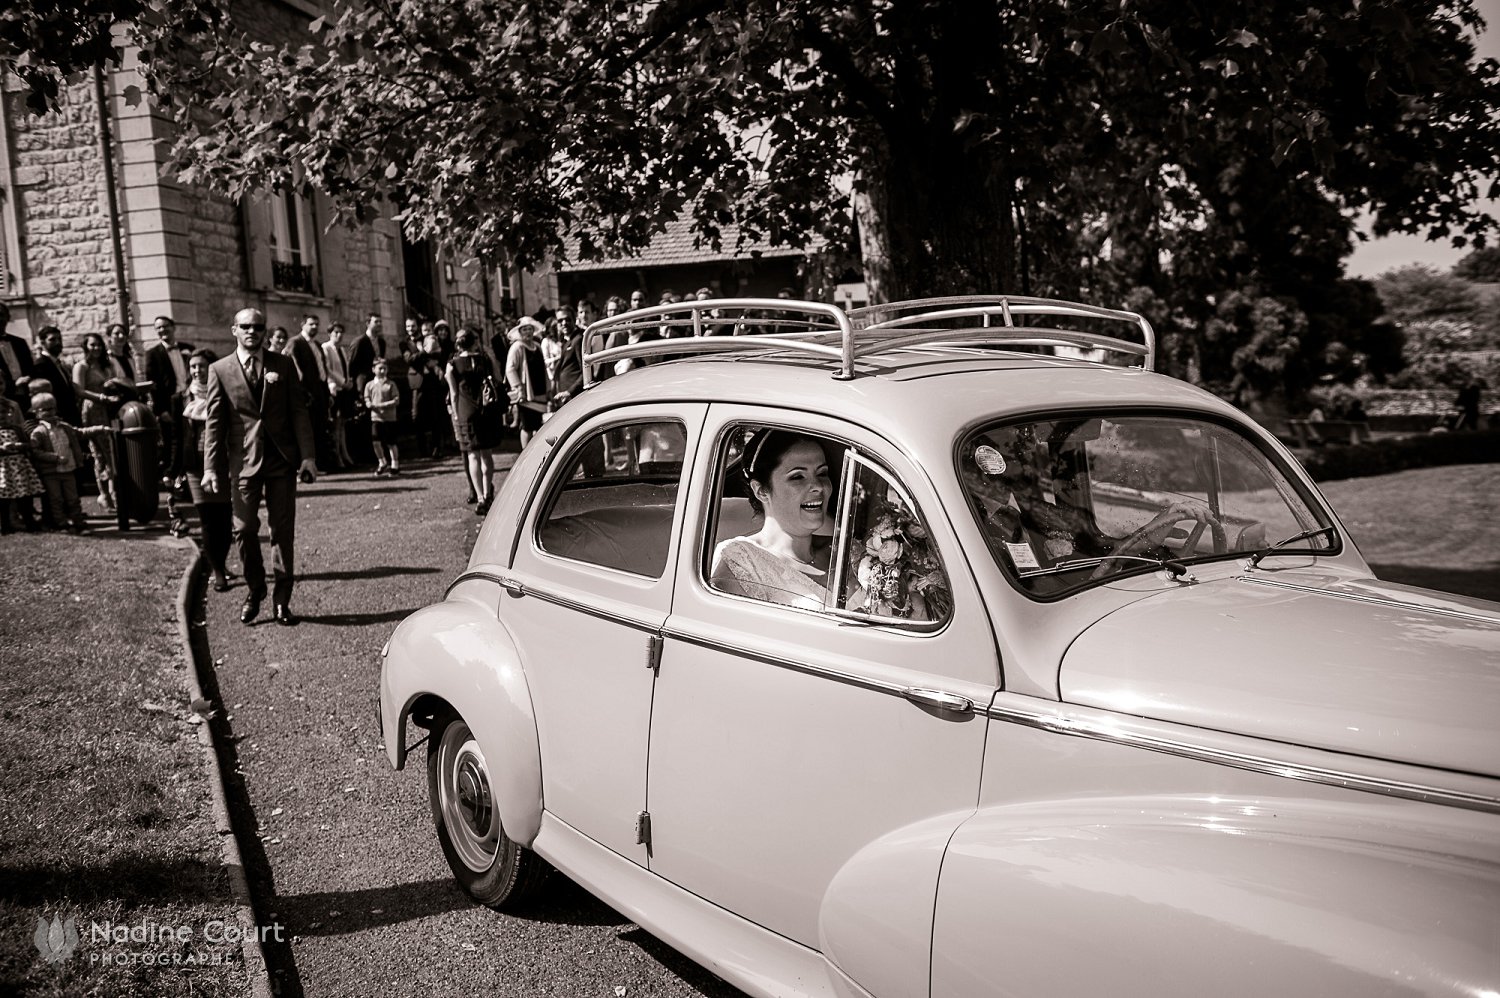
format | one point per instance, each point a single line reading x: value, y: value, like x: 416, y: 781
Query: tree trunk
x: 937, y: 218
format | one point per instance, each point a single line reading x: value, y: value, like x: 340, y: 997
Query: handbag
x: 489, y: 392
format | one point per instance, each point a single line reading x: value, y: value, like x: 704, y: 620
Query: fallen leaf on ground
x: 275, y: 811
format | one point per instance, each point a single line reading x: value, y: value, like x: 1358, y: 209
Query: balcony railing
x: 287, y: 276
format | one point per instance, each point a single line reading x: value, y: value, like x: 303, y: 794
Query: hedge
x: 1381, y: 457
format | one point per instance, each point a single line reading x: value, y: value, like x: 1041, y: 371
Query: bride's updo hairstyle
x: 762, y: 452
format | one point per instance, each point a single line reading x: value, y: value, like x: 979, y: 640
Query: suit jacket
x: 44, y: 454
x: 336, y: 359
x: 248, y: 434
x: 22, y: 352
x: 569, y: 375
x: 303, y: 355
x: 362, y: 357
x: 163, y: 378
x: 62, y: 387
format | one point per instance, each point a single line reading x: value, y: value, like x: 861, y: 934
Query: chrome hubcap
x: 467, y: 803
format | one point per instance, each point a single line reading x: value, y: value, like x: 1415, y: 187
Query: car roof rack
x: 919, y: 316
x: 827, y: 332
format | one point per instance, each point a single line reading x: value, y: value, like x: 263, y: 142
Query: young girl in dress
x: 19, y: 482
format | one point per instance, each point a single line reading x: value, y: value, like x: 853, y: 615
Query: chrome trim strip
x: 509, y: 584
x: 1488, y: 618
x: 1059, y: 725
x: 478, y: 575
x: 822, y: 672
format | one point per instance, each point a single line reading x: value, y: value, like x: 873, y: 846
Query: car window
x: 808, y: 522
x: 616, y: 496
x: 891, y: 567
x: 1071, y: 501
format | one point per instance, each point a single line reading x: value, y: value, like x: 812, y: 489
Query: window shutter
x: 255, y: 216
x: 333, y: 252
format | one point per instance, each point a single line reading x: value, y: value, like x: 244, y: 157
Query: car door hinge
x: 643, y: 829
x: 653, y: 652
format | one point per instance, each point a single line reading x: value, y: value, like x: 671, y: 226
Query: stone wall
x: 66, y: 270
x: 188, y: 253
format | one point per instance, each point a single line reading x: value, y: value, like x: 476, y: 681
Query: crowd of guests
x: 432, y: 390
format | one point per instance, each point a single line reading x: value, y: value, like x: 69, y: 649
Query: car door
x: 593, y: 569
x: 785, y: 740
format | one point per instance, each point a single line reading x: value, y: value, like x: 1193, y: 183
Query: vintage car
x: 945, y: 649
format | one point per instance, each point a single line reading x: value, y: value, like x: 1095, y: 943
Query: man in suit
x: 367, y: 349
x: 340, y: 392
x: 256, y: 441
x: 48, y: 364
x: 167, y: 370
x: 14, y: 353
x: 312, y: 370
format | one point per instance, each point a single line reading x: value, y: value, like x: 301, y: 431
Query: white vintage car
x: 921, y: 651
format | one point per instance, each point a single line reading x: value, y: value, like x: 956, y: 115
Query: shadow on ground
x: 377, y: 572
x: 358, y: 619
x: 333, y: 913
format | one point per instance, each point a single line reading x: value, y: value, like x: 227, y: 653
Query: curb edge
x: 239, y: 885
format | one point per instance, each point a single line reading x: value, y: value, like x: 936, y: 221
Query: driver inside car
x: 1004, y: 482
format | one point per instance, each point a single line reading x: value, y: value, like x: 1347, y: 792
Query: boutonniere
x: 272, y: 377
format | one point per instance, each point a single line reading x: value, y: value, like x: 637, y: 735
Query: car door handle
x: 939, y: 699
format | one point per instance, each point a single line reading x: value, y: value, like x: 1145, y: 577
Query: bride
x: 789, y: 482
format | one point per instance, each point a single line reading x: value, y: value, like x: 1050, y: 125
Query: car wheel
x: 491, y: 868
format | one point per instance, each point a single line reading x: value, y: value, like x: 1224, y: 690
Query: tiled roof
x: 675, y: 246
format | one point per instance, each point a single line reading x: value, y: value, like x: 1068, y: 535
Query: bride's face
x: 796, y: 496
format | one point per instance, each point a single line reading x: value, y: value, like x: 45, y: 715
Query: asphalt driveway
x: 341, y: 849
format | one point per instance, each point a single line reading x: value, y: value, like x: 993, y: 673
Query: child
x: 383, y: 399
x: 57, y: 452
x: 18, y: 478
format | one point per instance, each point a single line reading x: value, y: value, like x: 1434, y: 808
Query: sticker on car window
x: 990, y: 461
x: 1022, y: 555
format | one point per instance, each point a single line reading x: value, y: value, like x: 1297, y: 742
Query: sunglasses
x: 258, y: 326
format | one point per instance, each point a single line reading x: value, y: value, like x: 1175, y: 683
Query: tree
x: 1420, y: 293
x: 1191, y: 149
x: 1481, y: 266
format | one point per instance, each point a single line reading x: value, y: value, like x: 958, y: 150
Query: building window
x: 294, y: 256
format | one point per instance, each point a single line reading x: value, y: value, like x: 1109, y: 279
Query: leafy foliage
x: 1482, y: 265
x: 1180, y: 150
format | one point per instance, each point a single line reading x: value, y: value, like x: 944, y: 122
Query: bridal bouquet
x: 898, y: 570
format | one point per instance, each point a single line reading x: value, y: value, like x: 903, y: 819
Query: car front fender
x: 875, y: 923
x: 457, y: 655
x: 1152, y: 895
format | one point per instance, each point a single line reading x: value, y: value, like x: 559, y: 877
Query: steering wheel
x: 1135, y: 542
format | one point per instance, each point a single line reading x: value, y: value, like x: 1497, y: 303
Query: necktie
x: 252, y: 371
x: 338, y: 352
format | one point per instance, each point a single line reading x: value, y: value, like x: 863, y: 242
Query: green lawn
x: 1432, y: 527
x: 106, y: 813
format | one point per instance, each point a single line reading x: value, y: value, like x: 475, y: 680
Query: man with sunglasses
x: 257, y: 440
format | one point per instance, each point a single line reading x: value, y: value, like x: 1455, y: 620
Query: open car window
x: 615, y: 498
x: 1071, y: 501
x: 871, y: 556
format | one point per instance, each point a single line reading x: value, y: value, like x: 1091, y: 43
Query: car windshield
x: 1081, y: 499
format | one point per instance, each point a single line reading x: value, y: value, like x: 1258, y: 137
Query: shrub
x: 1381, y: 457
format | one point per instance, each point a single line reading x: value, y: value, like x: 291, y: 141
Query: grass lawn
x: 1432, y: 527
x: 106, y: 812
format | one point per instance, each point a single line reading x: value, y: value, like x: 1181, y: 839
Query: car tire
x: 491, y: 868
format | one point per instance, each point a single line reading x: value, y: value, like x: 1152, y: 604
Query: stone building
x: 91, y: 232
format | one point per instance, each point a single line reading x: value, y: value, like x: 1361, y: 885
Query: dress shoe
x: 221, y: 585
x: 284, y: 615
x: 251, y: 607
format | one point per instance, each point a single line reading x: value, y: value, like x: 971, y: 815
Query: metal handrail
x: 828, y: 332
